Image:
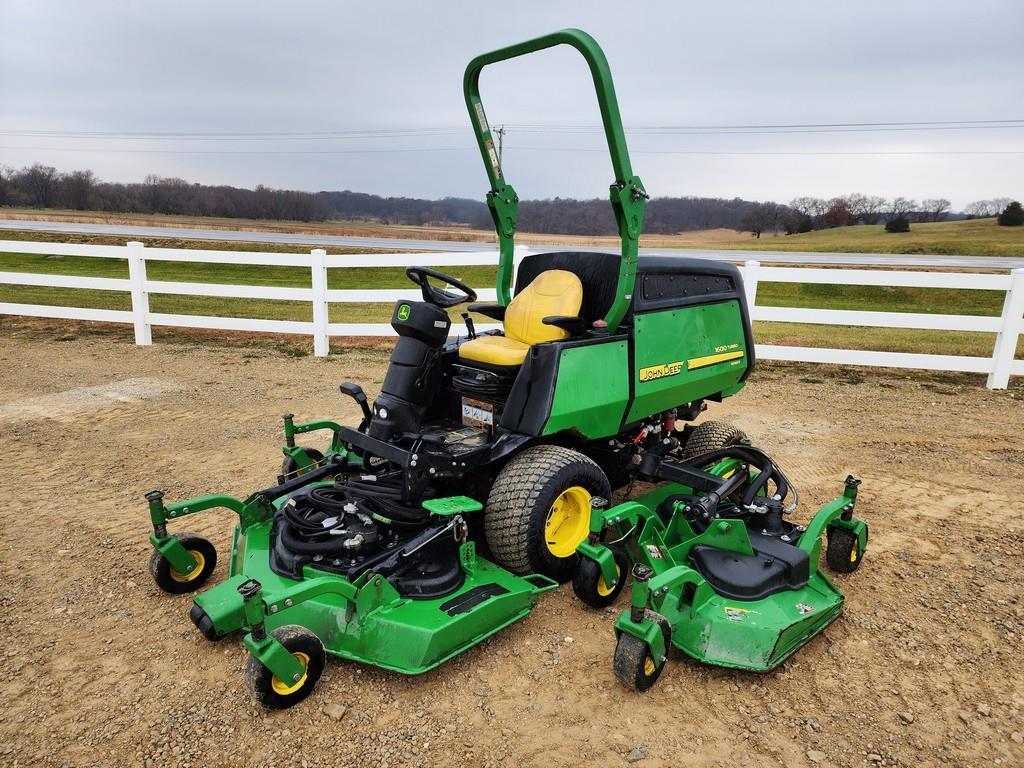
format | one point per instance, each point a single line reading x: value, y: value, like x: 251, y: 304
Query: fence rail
x: 999, y: 366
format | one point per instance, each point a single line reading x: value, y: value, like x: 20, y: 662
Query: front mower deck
x: 368, y: 621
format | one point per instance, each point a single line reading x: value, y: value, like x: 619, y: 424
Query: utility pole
x: 501, y: 140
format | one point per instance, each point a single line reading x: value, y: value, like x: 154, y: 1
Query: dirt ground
x: 100, y: 668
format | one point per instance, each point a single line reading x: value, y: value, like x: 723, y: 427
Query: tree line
x: 42, y: 186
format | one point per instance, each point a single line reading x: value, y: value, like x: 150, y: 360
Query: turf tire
x: 711, y: 436
x: 520, y: 500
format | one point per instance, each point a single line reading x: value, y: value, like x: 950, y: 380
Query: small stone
x: 567, y: 640
x: 1018, y: 737
x: 537, y: 707
x: 874, y: 757
x: 984, y: 710
x: 639, y: 753
x: 965, y: 717
x: 335, y: 711
x: 815, y: 756
x: 907, y: 717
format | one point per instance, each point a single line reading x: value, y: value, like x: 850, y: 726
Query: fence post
x: 1005, y: 349
x: 321, y: 339
x: 140, y: 298
x: 519, y: 253
x: 750, y: 270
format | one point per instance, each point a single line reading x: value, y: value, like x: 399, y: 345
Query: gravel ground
x: 102, y: 669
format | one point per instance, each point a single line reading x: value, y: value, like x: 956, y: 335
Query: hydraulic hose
x: 756, y: 458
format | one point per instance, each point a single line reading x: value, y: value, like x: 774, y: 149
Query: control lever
x: 470, y: 327
x: 356, y: 393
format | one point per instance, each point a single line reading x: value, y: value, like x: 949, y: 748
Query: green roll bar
x: 627, y: 193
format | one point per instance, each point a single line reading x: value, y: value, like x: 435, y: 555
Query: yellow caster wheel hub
x: 282, y: 688
x: 194, y: 573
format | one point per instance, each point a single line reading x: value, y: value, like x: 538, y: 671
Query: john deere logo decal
x: 403, y: 312
x: 661, y: 371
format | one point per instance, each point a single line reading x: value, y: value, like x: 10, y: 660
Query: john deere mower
x: 367, y: 547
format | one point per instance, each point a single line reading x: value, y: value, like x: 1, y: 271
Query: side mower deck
x: 677, y: 601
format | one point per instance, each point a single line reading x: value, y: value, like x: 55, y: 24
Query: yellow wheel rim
x: 853, y: 554
x: 649, y: 666
x: 568, y: 521
x: 603, y: 589
x: 194, y: 573
x: 282, y: 688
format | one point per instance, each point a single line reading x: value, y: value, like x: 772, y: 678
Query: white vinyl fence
x: 999, y: 366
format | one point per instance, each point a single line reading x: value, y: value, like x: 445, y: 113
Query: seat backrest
x: 554, y: 292
x: 599, y: 273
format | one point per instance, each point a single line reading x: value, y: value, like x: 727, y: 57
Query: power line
x: 377, y: 133
x: 520, y: 148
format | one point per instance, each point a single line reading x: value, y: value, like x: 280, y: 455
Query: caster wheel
x: 281, y: 694
x: 290, y: 469
x: 589, y: 584
x: 170, y: 580
x: 633, y: 663
x: 843, y: 553
x: 203, y: 623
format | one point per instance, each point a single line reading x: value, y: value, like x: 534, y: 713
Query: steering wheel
x: 440, y: 297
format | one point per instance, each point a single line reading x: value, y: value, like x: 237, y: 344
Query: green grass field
x: 968, y: 237
x: 977, y: 237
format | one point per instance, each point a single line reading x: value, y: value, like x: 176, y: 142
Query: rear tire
x: 535, y: 516
x: 711, y: 436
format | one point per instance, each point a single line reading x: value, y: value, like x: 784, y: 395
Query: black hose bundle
x: 331, y: 520
x: 483, y: 384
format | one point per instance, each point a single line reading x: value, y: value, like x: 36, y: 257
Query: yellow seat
x: 554, y: 292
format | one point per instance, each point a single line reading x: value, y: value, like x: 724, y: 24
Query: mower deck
x: 381, y: 627
x: 677, y: 600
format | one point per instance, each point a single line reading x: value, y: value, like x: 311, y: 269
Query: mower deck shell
x: 368, y: 621
x: 755, y: 635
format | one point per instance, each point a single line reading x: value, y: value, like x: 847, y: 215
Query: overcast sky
x: 244, y: 67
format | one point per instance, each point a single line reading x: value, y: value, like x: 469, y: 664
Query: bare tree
x: 6, y: 185
x: 935, y: 209
x: 872, y: 208
x: 900, y: 207
x: 763, y: 217
x: 76, y: 189
x: 856, y: 203
x: 40, y: 185
x: 998, y: 205
x: 979, y: 209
